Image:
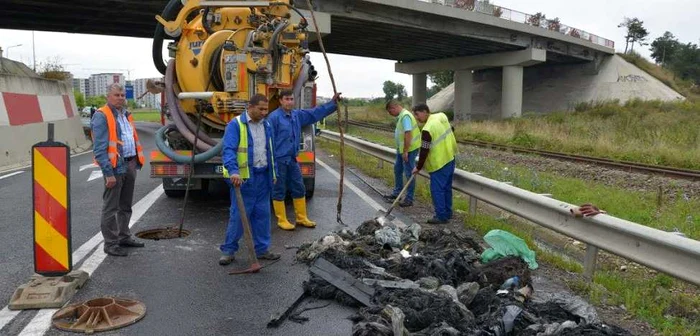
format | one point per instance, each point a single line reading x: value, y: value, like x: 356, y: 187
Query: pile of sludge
x: 430, y: 282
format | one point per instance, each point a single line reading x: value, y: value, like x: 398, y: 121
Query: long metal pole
x: 33, y: 52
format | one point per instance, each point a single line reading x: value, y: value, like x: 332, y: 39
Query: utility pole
x: 33, y: 52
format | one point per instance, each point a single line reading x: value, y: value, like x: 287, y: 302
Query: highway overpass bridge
x: 421, y: 36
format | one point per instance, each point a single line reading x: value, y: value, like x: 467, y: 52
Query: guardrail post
x: 589, y: 262
x: 380, y: 164
x: 472, y: 205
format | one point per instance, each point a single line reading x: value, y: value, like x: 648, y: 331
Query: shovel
x: 247, y: 236
x: 384, y: 218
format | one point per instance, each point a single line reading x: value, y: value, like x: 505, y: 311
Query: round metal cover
x: 167, y: 233
x: 99, y: 315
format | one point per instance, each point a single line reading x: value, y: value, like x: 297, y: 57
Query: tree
x: 442, y: 79
x: 400, y: 92
x: 554, y: 24
x: 636, y: 33
x: 663, y: 48
x: 79, y: 98
x: 686, y: 62
x: 389, y: 90
x: 537, y: 20
x: 96, y: 101
x: 394, y: 91
x: 53, y: 69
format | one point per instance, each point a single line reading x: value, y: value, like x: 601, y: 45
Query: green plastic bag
x: 504, y: 243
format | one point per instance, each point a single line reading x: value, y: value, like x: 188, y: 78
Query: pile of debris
x: 435, y: 282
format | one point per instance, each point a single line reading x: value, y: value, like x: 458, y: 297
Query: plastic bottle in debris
x: 512, y: 283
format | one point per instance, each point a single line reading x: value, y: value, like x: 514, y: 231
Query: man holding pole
x: 249, y: 163
x: 437, y: 154
x: 407, y: 138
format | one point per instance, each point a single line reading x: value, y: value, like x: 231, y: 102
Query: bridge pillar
x: 463, y: 95
x: 419, y: 88
x: 512, y: 92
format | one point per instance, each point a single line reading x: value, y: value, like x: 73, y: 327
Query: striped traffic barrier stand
x: 51, y: 196
x: 54, y: 283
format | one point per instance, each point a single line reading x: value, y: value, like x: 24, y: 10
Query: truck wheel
x: 174, y: 193
x: 309, y: 185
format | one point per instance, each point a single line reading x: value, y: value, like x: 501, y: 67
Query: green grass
x: 636, y: 206
x: 146, y: 115
x: 671, y: 313
x: 652, y: 132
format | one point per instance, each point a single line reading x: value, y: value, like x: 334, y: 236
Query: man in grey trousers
x: 119, y: 154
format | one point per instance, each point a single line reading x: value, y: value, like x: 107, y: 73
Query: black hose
x: 304, y: 23
x: 179, y: 158
x: 169, y: 13
x: 182, y: 121
x: 205, y: 21
x: 273, y: 47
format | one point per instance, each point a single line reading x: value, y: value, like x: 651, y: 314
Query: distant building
x: 149, y: 100
x: 99, y: 82
x: 82, y: 85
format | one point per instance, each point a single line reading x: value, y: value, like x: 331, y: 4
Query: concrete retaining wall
x: 549, y: 88
x: 27, y: 104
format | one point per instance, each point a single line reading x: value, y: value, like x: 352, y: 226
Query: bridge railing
x: 488, y: 8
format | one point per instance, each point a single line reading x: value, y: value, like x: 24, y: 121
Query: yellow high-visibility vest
x: 242, y: 155
x: 415, y: 132
x: 443, y: 145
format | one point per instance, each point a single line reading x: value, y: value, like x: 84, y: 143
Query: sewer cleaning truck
x: 225, y: 51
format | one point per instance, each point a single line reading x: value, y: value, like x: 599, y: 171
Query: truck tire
x: 310, y: 185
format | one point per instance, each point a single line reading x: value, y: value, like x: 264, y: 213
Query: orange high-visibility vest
x: 112, y: 151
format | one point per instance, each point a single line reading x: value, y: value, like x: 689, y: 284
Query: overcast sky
x: 355, y: 76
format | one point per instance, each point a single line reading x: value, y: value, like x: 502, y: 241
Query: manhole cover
x: 99, y: 315
x: 158, y: 234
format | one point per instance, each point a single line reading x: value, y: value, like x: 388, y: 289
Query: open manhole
x: 158, y: 234
x: 99, y: 314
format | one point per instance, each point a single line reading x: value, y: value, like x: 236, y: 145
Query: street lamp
x: 7, y: 53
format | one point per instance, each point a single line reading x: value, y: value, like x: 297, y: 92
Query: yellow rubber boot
x: 281, y: 214
x: 300, y: 212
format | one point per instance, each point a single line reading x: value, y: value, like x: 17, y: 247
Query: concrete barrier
x: 27, y: 104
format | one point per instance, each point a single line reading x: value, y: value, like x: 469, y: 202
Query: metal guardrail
x: 487, y: 8
x: 690, y: 174
x: 659, y: 250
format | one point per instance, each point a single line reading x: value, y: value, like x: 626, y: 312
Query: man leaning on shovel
x: 249, y: 164
x: 437, y: 153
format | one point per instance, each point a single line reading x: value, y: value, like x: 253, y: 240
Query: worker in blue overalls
x: 286, y: 131
x: 249, y: 163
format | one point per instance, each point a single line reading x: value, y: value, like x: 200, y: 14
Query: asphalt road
x: 184, y: 289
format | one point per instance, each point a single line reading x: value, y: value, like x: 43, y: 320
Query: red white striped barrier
x: 22, y: 109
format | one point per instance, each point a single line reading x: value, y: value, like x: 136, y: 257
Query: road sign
x: 51, y: 196
x: 129, y: 91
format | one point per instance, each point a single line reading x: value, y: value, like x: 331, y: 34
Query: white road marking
x: 6, y: 315
x: 42, y: 321
x: 83, y: 153
x: 372, y: 203
x: 11, y: 174
x: 28, y: 166
x: 94, y: 175
x: 42, y: 324
x: 87, y: 166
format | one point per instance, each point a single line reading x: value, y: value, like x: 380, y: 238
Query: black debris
x: 453, y: 293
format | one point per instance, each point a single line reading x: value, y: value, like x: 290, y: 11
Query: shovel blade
x: 382, y: 218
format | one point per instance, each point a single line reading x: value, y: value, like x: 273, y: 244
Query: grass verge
x: 652, y: 132
x: 152, y: 116
x: 659, y: 299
